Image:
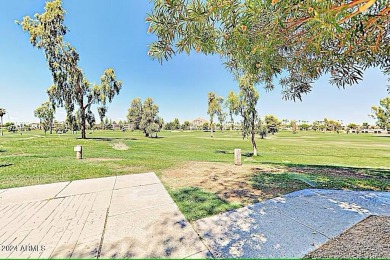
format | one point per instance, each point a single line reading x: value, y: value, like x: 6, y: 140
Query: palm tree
x: 2, y: 113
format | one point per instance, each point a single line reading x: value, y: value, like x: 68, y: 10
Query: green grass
x: 304, y: 160
x: 34, y: 158
x: 196, y: 203
x: 286, y: 182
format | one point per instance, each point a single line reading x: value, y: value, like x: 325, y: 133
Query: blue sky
x: 113, y: 34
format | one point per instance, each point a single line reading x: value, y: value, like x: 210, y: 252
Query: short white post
x: 237, y: 156
x: 79, y: 152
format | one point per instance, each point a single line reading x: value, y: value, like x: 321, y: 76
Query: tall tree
x: 186, y: 125
x: 382, y: 113
x: 176, y: 124
x: 150, y: 122
x: 262, y: 129
x: 248, y: 101
x: 71, y: 121
x: 214, y: 108
x: 2, y: 113
x: 303, y: 39
x: 294, y: 126
x: 45, y: 113
x: 221, y: 118
x: 233, y: 104
x: 134, y: 114
x: 47, y: 31
x: 160, y: 124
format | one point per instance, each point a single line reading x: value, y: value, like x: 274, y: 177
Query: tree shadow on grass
x: 108, y: 139
x: 231, y: 152
x: 6, y: 164
x: 2, y: 151
x: 338, y: 171
x: 223, y: 152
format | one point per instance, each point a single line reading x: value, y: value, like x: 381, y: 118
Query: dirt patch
x: 367, y: 239
x: 228, y: 181
x: 120, y: 146
x: 251, y: 183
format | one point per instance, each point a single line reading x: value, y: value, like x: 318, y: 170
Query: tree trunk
x: 254, y: 144
x: 1, y: 126
x: 254, y: 135
x: 83, y: 125
x: 211, y: 128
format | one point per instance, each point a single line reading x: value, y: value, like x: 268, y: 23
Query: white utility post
x: 79, y: 152
x: 237, y: 156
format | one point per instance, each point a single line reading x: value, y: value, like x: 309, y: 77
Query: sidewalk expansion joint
x: 142, y: 185
x: 105, y: 223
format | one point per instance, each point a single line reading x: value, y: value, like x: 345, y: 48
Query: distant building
x: 373, y: 131
x: 35, y: 126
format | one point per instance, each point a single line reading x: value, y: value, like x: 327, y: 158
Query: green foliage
x: 305, y: 39
x: 205, y: 126
x: 304, y: 127
x: 248, y: 101
x: 332, y: 125
x: 2, y: 112
x: 272, y: 123
x: 221, y: 118
x: 353, y: 126
x: 233, y: 104
x: 134, y: 114
x: 186, y: 125
x: 90, y: 117
x: 196, y: 203
x: 47, y: 31
x: 72, y: 122
x: 382, y: 113
x: 262, y: 129
x: 176, y: 124
x: 102, y: 110
x: 287, y: 182
x: 45, y: 113
x: 8, y: 124
x: 294, y: 126
x: 150, y: 122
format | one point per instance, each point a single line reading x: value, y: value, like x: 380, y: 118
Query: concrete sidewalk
x: 289, y: 226
x: 114, y: 217
x: 133, y: 216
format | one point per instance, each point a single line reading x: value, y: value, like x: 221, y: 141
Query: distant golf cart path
x: 133, y: 216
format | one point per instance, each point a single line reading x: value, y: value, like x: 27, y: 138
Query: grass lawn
x: 287, y: 162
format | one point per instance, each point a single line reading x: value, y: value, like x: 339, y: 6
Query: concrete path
x: 133, y: 216
x: 114, y: 217
x: 289, y: 226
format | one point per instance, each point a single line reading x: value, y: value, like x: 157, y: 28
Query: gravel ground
x: 369, y: 238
